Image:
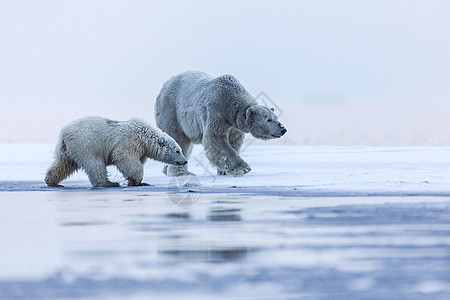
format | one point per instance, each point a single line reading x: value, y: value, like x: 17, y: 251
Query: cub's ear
x: 272, y: 109
x: 161, y: 140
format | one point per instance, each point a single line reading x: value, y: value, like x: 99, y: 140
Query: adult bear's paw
x: 240, y: 169
x: 174, y: 171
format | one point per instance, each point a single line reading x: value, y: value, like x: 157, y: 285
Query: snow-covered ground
x: 306, y: 222
x: 282, y: 171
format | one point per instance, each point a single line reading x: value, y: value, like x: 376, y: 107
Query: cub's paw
x: 49, y: 184
x: 108, y: 184
x: 130, y: 183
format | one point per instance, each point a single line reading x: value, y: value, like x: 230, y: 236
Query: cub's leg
x: 96, y: 171
x: 133, y: 170
x: 61, y: 168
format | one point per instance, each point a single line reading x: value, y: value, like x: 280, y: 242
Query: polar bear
x: 92, y: 143
x: 195, y: 108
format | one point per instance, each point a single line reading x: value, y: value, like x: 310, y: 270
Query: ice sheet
x: 287, y: 171
x: 306, y: 222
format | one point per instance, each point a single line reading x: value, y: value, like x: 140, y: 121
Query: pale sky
x: 337, y: 68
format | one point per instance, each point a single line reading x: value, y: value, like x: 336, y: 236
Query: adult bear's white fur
x: 194, y: 108
x: 92, y: 143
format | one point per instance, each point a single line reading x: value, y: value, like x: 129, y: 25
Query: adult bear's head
x: 263, y: 123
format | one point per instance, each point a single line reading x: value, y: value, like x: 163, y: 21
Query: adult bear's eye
x: 269, y: 120
x: 178, y: 151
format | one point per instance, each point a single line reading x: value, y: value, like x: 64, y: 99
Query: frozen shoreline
x: 278, y: 171
x: 400, y: 190
x: 309, y: 222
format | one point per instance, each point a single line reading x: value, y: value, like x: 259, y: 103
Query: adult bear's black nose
x: 182, y: 163
x: 283, y: 129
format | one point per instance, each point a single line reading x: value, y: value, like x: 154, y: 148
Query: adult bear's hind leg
x: 186, y: 146
x: 166, y: 120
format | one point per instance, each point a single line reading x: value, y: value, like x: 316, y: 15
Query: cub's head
x: 263, y: 123
x: 170, y: 152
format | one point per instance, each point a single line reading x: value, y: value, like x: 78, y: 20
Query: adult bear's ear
x: 272, y: 109
x: 249, y: 113
x: 161, y: 140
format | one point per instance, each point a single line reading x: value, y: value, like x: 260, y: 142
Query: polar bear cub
x: 92, y: 143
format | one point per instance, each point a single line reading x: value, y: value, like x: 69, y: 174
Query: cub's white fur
x: 92, y: 143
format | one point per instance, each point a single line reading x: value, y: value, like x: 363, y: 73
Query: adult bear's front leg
x: 223, y: 156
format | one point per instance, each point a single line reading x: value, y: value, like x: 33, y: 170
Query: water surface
x: 99, y: 244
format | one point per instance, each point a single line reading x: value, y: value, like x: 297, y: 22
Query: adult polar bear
x: 195, y: 108
x: 92, y: 143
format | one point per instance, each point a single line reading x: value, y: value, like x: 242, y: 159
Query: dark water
x: 144, y: 245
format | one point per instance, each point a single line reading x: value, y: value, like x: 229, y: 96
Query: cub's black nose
x: 283, y: 131
x: 182, y: 163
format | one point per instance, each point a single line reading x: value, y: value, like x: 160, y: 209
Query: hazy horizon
x: 343, y: 72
